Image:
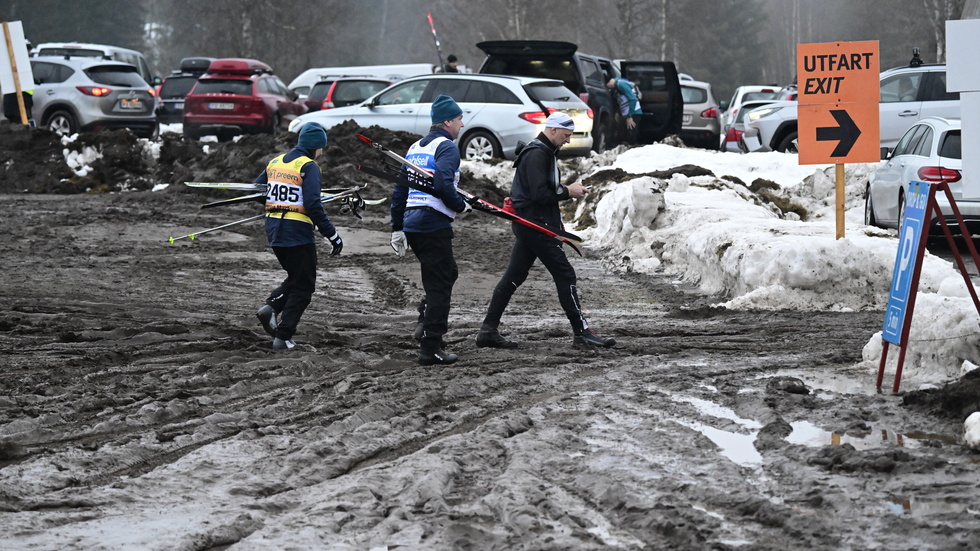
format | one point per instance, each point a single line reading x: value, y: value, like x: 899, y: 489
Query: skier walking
x: 293, y: 209
x: 424, y: 222
x: 536, y: 192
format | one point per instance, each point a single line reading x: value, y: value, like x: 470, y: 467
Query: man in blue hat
x: 424, y: 223
x: 293, y: 209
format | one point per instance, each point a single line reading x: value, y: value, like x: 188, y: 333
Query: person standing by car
x: 450, y: 66
x: 424, y: 222
x: 629, y: 104
x: 293, y: 209
x: 11, y: 109
x: 535, y: 193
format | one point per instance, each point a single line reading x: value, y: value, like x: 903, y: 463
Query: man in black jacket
x: 536, y: 193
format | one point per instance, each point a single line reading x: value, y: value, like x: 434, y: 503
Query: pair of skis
x: 477, y: 203
x: 350, y: 197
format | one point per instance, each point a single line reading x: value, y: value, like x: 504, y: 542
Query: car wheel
x: 789, y: 143
x: 600, y: 137
x: 63, y: 123
x: 480, y: 146
x: 191, y: 131
x: 869, y: 210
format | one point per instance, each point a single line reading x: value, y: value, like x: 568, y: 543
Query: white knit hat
x: 560, y: 120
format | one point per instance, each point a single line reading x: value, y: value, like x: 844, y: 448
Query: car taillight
x: 710, y: 113
x: 97, y: 91
x: 939, y: 174
x: 153, y: 93
x: 537, y: 117
x: 591, y: 114
x: 733, y: 135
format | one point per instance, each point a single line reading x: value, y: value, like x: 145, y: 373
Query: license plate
x: 221, y: 106
x: 131, y: 104
x: 179, y: 105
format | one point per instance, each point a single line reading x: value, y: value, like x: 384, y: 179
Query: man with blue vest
x: 424, y: 221
x: 293, y: 209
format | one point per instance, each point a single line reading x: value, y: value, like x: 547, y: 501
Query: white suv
x: 907, y: 95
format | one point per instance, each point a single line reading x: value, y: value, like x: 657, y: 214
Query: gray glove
x: 466, y: 210
x: 399, y: 242
x: 337, y: 242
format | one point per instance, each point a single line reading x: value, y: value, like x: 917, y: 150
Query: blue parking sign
x: 906, y: 261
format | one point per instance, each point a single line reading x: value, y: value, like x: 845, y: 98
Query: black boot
x: 267, y: 317
x: 439, y: 357
x: 489, y: 337
x: 588, y: 337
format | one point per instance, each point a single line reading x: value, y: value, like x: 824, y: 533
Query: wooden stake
x: 13, y: 66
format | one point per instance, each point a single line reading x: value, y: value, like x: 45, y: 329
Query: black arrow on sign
x: 845, y: 133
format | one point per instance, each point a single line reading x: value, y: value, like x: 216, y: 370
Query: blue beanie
x: 444, y: 109
x: 312, y: 136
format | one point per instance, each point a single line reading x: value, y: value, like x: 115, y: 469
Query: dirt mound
x: 31, y: 160
x: 955, y: 400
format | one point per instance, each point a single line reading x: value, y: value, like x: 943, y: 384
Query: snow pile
x: 80, y: 161
x: 971, y: 430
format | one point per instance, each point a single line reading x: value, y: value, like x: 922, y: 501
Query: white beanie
x: 560, y: 120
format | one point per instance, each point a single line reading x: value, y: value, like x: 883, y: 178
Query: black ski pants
x: 530, y: 246
x: 439, y: 272
x: 295, y: 293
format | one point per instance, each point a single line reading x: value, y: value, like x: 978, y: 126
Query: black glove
x: 337, y: 242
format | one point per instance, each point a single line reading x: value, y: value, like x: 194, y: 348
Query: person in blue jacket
x: 292, y: 210
x: 629, y: 105
x: 424, y: 222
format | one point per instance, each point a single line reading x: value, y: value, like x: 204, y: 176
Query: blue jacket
x: 629, y: 105
x: 290, y: 233
x: 423, y: 220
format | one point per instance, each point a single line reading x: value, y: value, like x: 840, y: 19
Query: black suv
x: 175, y: 88
x: 586, y: 75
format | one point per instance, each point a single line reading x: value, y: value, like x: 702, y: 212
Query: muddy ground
x: 142, y: 407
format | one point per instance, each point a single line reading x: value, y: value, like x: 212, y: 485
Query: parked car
x: 907, y: 95
x: 700, y: 123
x: 343, y: 91
x: 98, y: 51
x: 308, y: 78
x: 86, y: 94
x: 239, y: 96
x: 586, y: 75
x: 662, y: 102
x: 498, y: 111
x: 930, y: 151
x: 731, y: 108
x: 173, y: 90
x: 733, y: 134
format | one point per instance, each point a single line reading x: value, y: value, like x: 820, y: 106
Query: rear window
x: 648, y: 78
x: 319, y: 90
x: 116, y: 75
x: 177, y: 87
x: 694, y: 95
x: 549, y: 91
x: 555, y: 68
x: 356, y: 91
x: 752, y: 96
x: 224, y: 86
x: 950, y: 148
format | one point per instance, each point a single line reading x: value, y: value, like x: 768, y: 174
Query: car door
x: 48, y: 87
x: 662, y: 104
x: 459, y: 90
x: 397, y: 108
x: 889, y: 177
x: 900, y: 106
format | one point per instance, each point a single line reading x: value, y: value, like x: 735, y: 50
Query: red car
x: 343, y: 91
x: 239, y: 96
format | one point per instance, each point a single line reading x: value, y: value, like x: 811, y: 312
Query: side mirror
x: 157, y: 81
x: 723, y: 105
x: 293, y: 96
x: 885, y: 153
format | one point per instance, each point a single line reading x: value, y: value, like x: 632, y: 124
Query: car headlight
x: 761, y: 112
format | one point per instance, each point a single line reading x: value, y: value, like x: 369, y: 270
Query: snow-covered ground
x: 711, y: 232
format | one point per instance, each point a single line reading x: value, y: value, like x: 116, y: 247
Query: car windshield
x: 549, y: 91
x: 224, y: 86
x: 177, y: 87
x: 116, y: 75
x: 950, y: 147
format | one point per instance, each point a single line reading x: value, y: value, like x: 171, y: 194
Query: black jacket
x: 536, y: 190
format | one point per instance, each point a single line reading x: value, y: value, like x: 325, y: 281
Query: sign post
x: 838, y: 107
x: 15, y: 66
